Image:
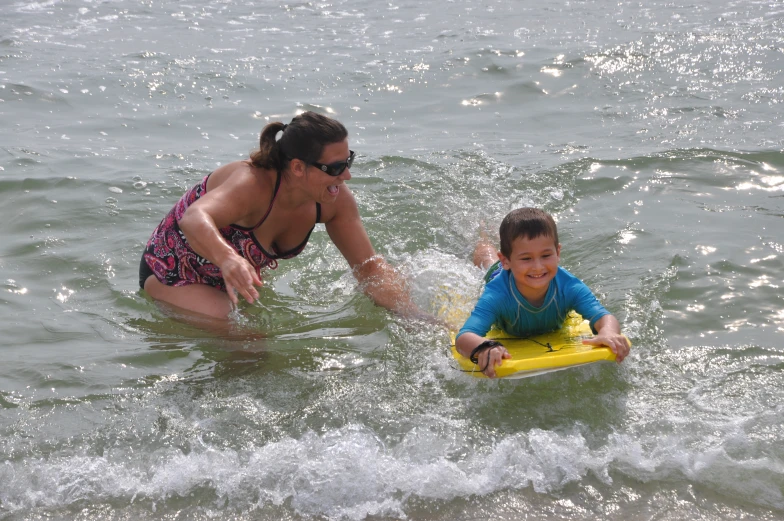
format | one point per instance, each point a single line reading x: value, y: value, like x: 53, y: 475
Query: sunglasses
x: 335, y: 169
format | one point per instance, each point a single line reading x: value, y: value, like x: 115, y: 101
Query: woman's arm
x: 235, y: 200
x: 380, y: 281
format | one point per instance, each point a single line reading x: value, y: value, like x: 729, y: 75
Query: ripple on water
x: 650, y: 133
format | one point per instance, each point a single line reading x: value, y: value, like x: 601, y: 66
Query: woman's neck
x: 291, y: 196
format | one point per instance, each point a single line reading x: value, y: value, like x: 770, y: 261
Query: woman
x: 247, y: 215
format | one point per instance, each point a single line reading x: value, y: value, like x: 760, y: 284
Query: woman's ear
x: 297, y: 167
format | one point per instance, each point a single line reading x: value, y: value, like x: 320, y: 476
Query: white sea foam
x: 350, y: 473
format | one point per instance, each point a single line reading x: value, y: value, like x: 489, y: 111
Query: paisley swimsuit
x: 171, y: 259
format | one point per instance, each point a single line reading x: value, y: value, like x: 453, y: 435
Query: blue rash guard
x: 502, y: 305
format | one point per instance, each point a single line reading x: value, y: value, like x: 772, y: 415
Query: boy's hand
x: 492, y: 358
x: 617, y: 343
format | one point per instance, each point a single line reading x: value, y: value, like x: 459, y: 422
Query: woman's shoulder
x: 235, y: 168
x: 240, y: 175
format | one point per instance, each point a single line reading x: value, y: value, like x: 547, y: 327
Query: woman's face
x: 328, y: 186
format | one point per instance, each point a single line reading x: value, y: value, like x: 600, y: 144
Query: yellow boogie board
x: 560, y: 349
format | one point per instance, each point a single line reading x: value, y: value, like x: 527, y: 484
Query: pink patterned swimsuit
x: 171, y: 259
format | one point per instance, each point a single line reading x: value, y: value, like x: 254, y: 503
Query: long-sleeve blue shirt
x: 502, y: 305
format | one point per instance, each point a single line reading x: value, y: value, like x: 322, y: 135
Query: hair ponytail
x: 269, y: 156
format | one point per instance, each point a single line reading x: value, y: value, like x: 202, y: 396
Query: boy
x: 527, y: 293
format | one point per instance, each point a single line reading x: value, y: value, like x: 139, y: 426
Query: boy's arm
x: 488, y: 359
x: 607, y: 328
x: 488, y: 308
x: 608, y: 333
x: 471, y: 335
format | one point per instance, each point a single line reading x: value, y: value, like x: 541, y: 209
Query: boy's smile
x: 533, y: 263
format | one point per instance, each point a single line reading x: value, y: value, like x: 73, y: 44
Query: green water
x: 652, y: 132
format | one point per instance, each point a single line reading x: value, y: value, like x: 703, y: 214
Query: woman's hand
x: 240, y: 277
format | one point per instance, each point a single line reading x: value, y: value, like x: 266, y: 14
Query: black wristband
x: 487, y: 344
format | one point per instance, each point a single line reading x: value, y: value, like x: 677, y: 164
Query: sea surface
x: 653, y: 131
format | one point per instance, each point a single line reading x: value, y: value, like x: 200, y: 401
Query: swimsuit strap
x: 269, y: 209
x: 297, y: 249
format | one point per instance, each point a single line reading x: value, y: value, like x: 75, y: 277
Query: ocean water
x: 651, y: 130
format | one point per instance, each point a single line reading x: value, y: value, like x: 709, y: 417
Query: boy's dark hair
x: 525, y: 222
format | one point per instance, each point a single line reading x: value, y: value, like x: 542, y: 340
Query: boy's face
x: 533, y: 262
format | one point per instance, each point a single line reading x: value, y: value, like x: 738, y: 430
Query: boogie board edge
x: 567, y: 348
